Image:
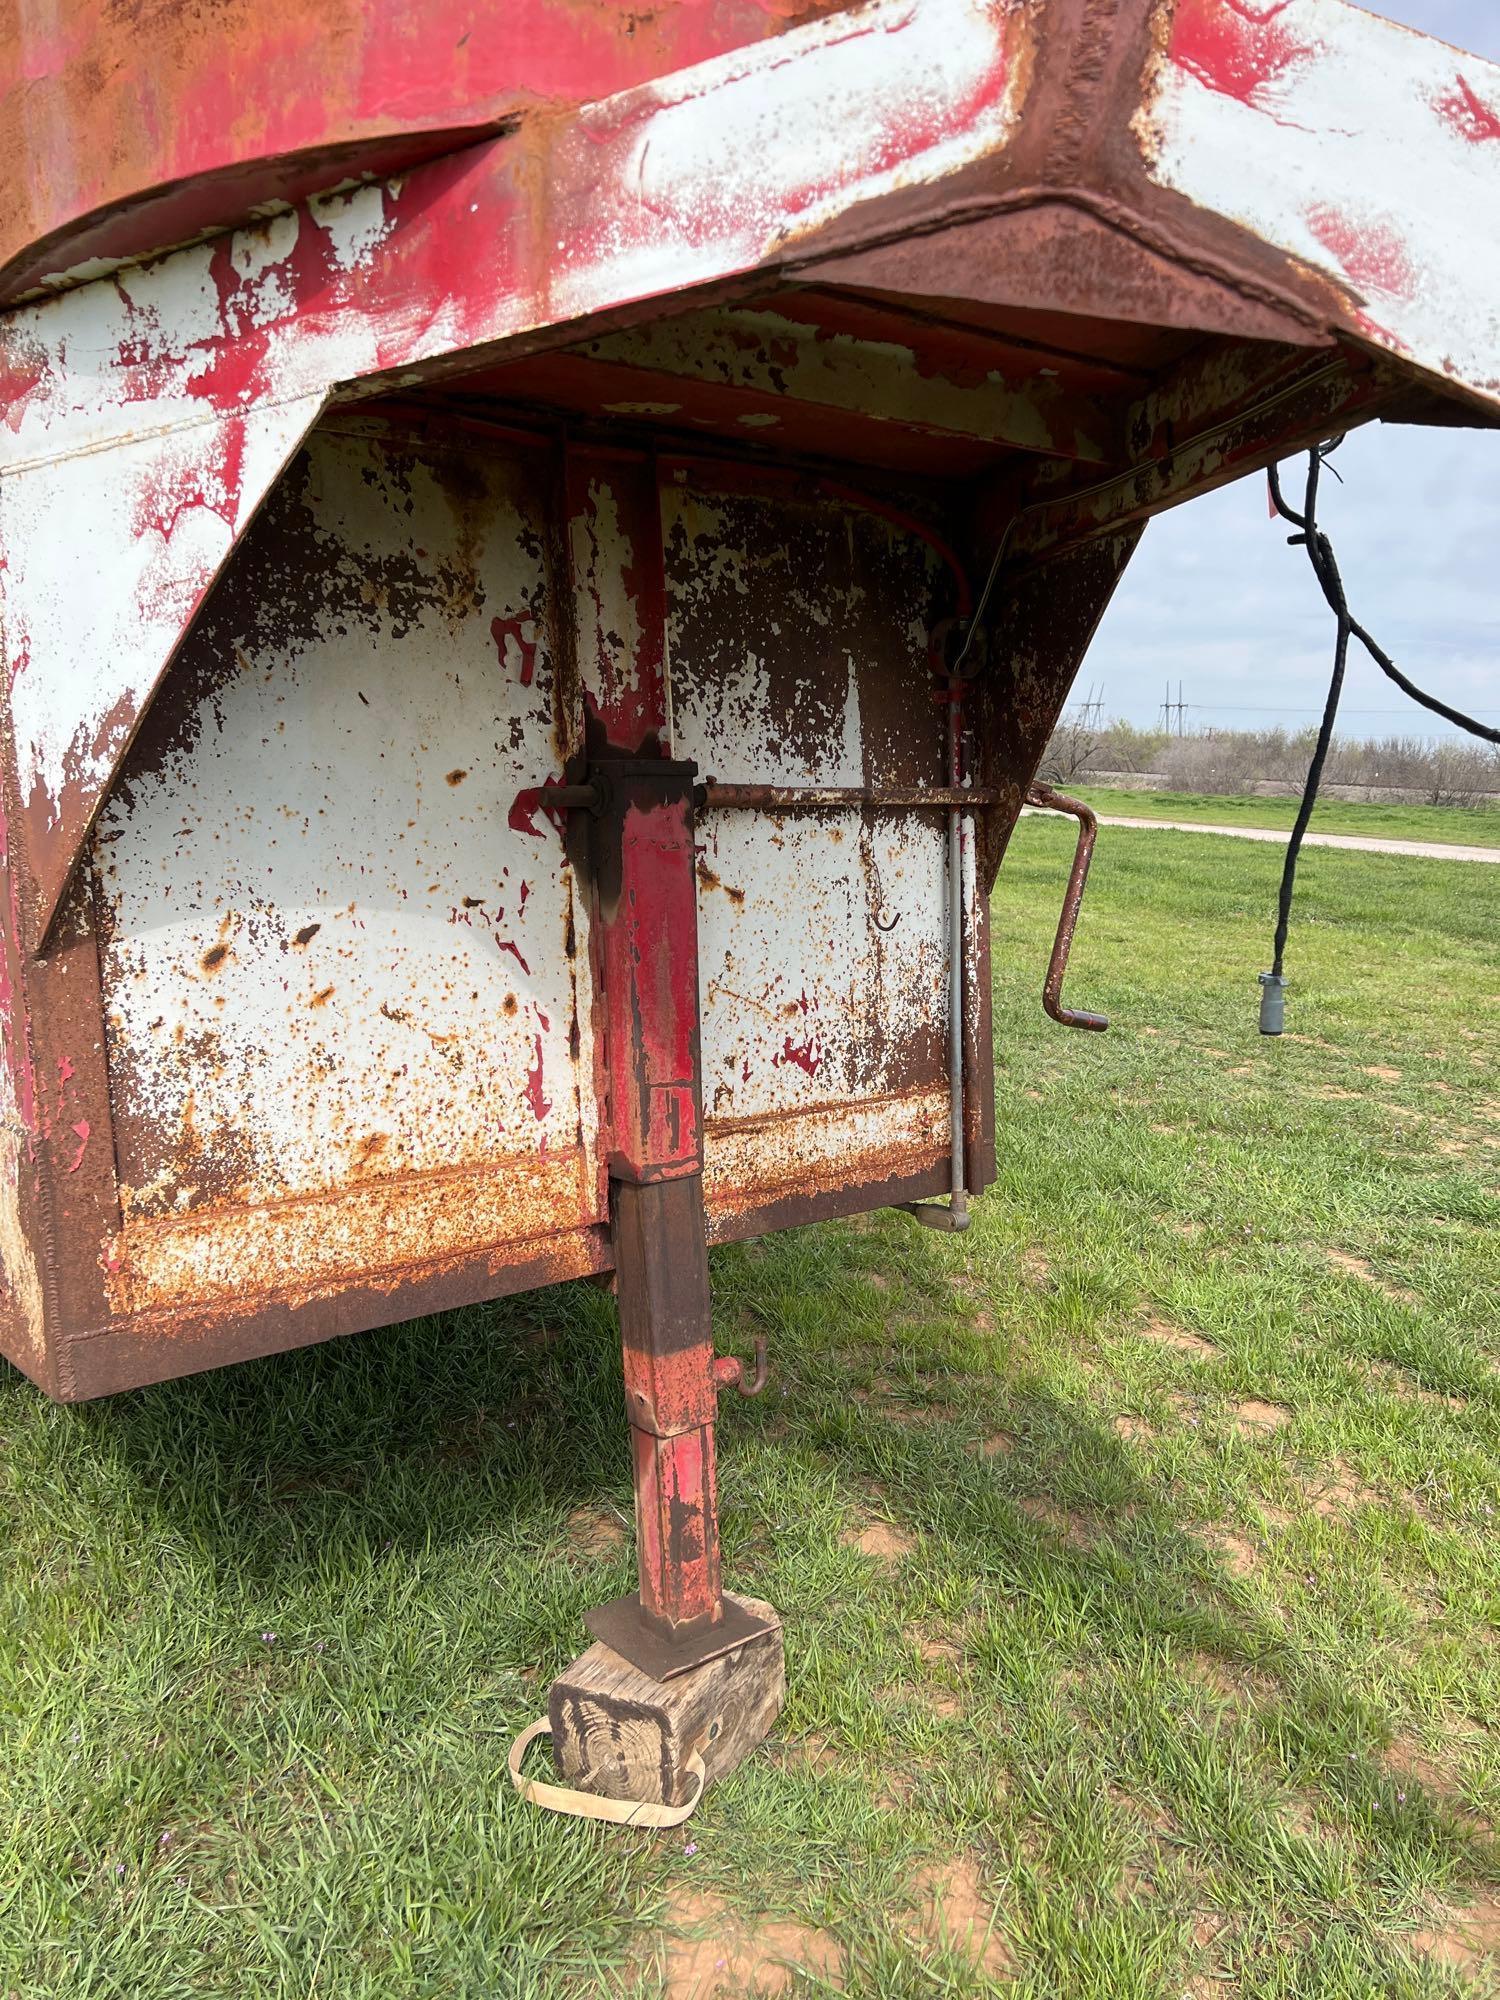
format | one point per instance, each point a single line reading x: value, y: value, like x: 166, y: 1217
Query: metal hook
x: 1088, y: 826
x: 884, y: 926
x: 729, y: 1370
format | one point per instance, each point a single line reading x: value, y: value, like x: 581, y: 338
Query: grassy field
x: 1138, y: 1551
x: 1446, y: 823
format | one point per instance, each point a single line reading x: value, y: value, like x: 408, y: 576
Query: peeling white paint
x: 105, y: 564
x: 647, y: 198
x: 826, y: 1007
x: 356, y: 223
x: 1357, y: 146
x: 330, y: 957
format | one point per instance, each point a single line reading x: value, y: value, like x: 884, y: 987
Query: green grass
x: 1452, y: 824
x: 1190, y: 1681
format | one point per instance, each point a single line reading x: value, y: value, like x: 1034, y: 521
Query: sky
x: 1215, y: 598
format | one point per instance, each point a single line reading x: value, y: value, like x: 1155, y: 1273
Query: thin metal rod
x: 773, y: 798
x: 959, y: 1199
x: 954, y: 1215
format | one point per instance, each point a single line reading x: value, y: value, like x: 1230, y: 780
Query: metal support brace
x: 647, y: 915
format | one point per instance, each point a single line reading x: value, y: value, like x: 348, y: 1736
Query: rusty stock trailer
x: 536, y: 574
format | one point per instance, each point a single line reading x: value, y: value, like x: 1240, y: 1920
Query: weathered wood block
x: 619, y: 1732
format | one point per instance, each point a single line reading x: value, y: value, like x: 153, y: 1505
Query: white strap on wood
x: 589, y: 1805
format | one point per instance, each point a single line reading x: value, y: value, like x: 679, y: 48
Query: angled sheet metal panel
x: 125, y: 130
x: 704, y: 175
x: 341, y: 990
x: 769, y: 360
x: 106, y: 561
x: 1370, y: 153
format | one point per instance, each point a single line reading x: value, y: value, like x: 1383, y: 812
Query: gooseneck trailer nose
x: 538, y: 560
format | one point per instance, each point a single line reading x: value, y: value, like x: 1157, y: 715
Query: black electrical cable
x: 1325, y: 568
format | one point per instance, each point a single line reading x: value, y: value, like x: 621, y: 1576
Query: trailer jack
x: 684, y: 1679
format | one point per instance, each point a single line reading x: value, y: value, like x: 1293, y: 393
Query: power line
x: 1251, y: 709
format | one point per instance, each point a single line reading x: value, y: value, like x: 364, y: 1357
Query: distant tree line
x: 1449, y: 772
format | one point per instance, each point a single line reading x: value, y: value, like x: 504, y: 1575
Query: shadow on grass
x: 490, y: 1423
x: 483, y: 1430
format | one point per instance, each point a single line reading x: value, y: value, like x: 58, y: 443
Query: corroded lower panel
x: 232, y: 1261
x: 797, y: 650
x: 754, y: 1163
x: 349, y: 993
x: 328, y: 956
x: 241, y: 1256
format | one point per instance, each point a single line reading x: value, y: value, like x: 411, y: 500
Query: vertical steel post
x: 647, y: 913
x: 645, y: 962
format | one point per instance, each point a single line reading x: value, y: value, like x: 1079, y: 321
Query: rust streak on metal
x: 375, y: 1228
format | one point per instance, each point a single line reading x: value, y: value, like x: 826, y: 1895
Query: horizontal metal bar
x: 833, y: 798
x: 936, y: 1214
x: 568, y: 798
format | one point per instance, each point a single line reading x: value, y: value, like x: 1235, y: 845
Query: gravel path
x: 1431, y: 850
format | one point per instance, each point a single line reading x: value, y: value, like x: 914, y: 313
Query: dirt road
x: 1430, y: 850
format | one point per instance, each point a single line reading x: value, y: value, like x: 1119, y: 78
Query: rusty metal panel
x: 771, y: 362
x: 123, y: 130
x: 22, y: 1303
x: 797, y: 656
x: 347, y: 980
x: 198, y: 374
x: 344, y: 1030
x: 1368, y: 152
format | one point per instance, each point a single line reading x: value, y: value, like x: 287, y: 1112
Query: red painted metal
x: 122, y: 132
x: 645, y: 890
x: 612, y: 502
x: 677, y: 1529
x: 645, y: 928
x: 648, y: 962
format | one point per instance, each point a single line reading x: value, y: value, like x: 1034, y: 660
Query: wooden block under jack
x: 626, y: 1735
